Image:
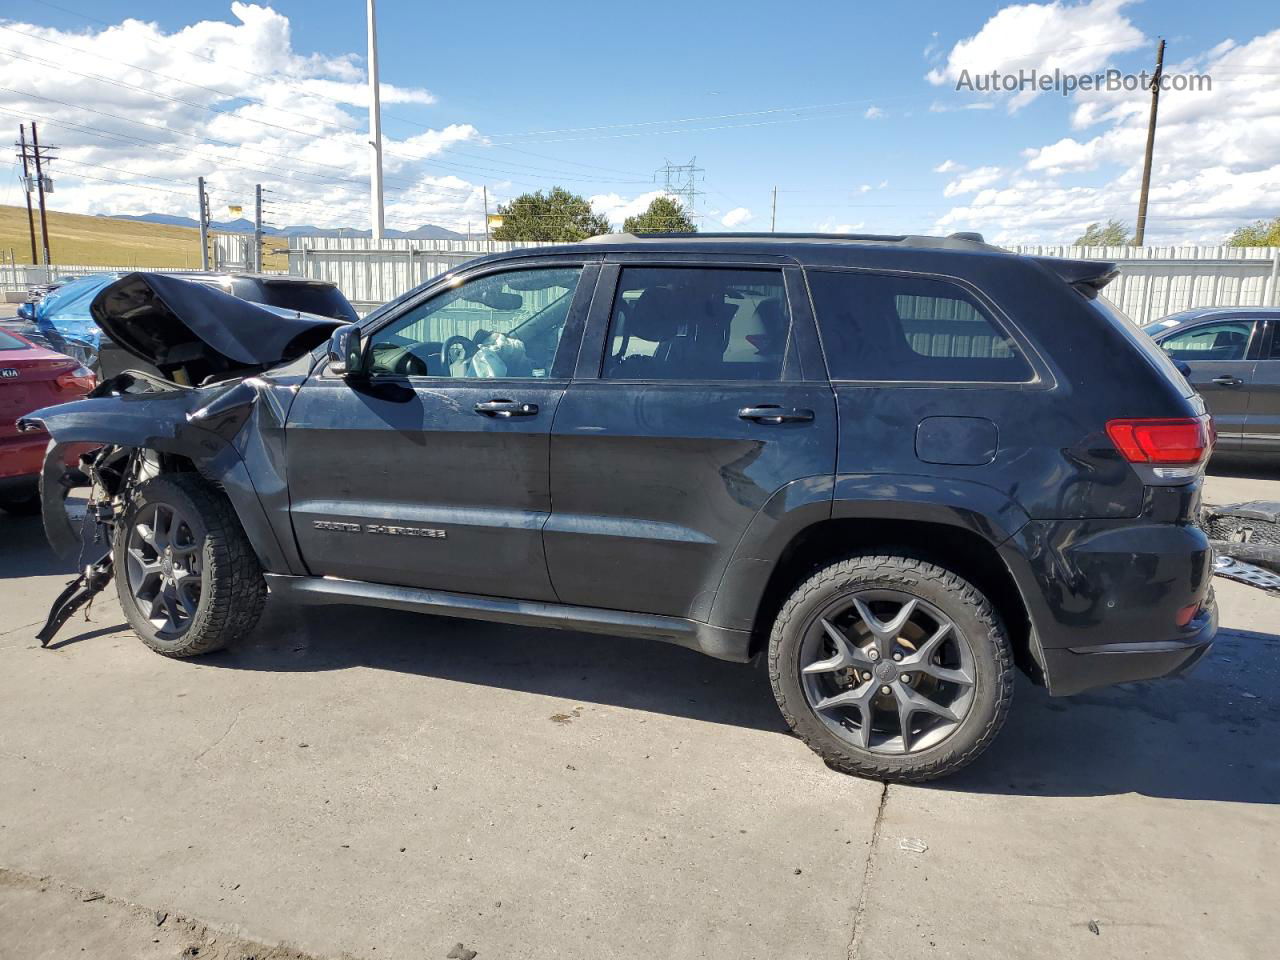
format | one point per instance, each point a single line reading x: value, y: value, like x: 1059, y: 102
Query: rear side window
x: 697, y: 323
x: 883, y: 327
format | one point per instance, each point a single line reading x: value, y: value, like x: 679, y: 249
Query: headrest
x: 653, y: 316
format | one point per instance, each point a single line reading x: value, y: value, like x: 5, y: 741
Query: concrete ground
x: 385, y: 785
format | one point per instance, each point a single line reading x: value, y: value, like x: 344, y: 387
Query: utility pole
x: 773, y: 211
x: 44, y: 222
x: 486, y: 212
x: 377, y: 224
x: 26, y: 189
x: 1141, y: 228
x: 204, y: 223
x: 257, y: 228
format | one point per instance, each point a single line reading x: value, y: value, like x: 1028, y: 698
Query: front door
x: 690, y: 411
x: 1219, y: 356
x: 1262, y: 426
x: 430, y: 469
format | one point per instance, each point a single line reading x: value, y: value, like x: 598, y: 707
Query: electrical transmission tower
x: 680, y: 180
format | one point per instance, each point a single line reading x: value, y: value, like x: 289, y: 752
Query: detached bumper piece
x: 1074, y: 670
x: 79, y: 592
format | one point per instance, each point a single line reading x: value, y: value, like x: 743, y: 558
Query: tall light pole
x: 377, y: 222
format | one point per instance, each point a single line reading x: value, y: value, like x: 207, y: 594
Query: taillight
x: 1174, y: 448
x: 81, y: 380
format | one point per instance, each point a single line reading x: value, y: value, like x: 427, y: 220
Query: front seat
x: 652, y: 317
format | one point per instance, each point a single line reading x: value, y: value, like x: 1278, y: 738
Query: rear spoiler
x: 1087, y: 276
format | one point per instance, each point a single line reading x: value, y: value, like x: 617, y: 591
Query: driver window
x: 500, y: 325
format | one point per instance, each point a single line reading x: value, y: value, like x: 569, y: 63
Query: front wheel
x: 891, y: 668
x: 188, y: 580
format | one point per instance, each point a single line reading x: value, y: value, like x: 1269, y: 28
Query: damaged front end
x: 209, y: 411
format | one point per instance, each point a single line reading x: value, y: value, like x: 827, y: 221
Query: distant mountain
x: 427, y: 231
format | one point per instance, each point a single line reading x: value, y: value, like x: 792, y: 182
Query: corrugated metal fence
x: 372, y: 273
x: 1153, y: 281
x: 1156, y: 281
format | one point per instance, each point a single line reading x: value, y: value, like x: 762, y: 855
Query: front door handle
x: 1226, y: 380
x: 505, y: 409
x: 772, y: 413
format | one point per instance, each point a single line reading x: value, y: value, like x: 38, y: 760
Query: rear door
x: 699, y: 394
x: 432, y: 470
x: 1221, y: 354
x: 1262, y: 424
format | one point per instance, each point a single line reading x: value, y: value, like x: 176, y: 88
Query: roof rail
x: 954, y: 240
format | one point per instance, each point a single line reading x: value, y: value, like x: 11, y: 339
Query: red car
x: 31, y: 377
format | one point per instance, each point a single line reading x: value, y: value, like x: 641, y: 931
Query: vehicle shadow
x: 24, y: 552
x: 1244, y: 466
x: 1208, y: 736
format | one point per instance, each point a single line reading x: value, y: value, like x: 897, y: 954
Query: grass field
x: 104, y: 242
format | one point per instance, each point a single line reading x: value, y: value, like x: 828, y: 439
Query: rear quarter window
x: 901, y: 328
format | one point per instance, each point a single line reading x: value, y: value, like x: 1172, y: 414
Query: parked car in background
x: 62, y: 319
x: 31, y: 376
x: 1233, y: 354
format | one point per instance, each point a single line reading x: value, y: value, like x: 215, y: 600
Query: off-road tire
x: 971, y: 612
x: 232, y: 589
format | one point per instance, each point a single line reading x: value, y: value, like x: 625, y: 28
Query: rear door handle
x: 504, y: 409
x: 772, y: 413
x: 1226, y: 380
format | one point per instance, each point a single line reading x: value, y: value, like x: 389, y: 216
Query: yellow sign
x: 235, y: 209
x: 495, y: 221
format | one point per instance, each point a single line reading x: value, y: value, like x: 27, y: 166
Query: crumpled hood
x: 191, y: 330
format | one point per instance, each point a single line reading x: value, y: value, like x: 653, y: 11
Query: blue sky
x: 785, y: 92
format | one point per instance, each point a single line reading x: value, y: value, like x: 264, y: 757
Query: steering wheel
x: 455, y: 349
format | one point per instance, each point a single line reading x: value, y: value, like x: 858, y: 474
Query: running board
x: 719, y: 642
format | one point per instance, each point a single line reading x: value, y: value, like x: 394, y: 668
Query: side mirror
x: 345, y: 354
x: 27, y: 311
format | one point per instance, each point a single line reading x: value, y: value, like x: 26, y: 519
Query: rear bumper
x: 1073, y: 671
x: 1105, y: 598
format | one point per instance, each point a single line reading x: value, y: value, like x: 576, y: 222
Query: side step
x: 720, y: 642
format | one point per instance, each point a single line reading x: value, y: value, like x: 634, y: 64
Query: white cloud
x: 972, y: 181
x: 831, y: 226
x: 948, y: 166
x: 617, y: 207
x: 736, y: 217
x: 1072, y: 37
x: 1217, y: 159
x: 138, y: 113
x: 873, y: 113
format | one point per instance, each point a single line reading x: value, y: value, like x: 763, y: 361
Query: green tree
x: 1260, y: 233
x: 664, y: 215
x: 554, y: 215
x: 1114, y: 234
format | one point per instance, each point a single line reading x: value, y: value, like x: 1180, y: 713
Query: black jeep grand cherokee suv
x: 892, y: 467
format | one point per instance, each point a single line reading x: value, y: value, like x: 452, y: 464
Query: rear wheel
x: 891, y: 668
x: 187, y: 578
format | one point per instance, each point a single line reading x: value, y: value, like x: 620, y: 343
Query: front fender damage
x: 141, y: 426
